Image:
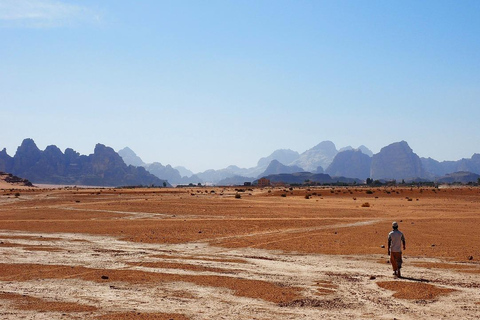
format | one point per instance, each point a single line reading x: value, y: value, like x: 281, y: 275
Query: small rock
x: 373, y: 277
x: 470, y: 258
x: 382, y: 246
x: 104, y: 277
x: 200, y: 231
x: 433, y: 245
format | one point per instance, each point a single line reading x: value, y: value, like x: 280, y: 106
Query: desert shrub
x: 238, y: 196
x: 283, y: 195
x: 365, y: 205
x: 307, y: 196
x: 369, y: 192
x: 17, y: 194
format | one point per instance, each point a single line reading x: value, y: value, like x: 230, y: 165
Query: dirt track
x: 198, y: 254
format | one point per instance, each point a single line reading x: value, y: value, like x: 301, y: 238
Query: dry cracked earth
x: 273, y: 253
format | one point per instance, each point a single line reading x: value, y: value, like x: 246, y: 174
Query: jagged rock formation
x: 167, y: 172
x: 9, y: 180
x: 130, y: 158
x: 102, y: 168
x: 350, y: 163
x: 6, y: 162
x: 320, y: 155
x: 396, y: 162
x: 184, y: 172
x: 365, y: 150
x: 275, y: 167
x: 284, y: 156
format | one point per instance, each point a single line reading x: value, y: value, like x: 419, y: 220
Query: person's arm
x: 389, y: 243
x: 403, y: 241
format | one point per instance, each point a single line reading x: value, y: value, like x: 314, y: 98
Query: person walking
x: 395, y: 241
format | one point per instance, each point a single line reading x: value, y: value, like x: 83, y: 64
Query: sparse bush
x: 307, y: 196
x: 238, y: 196
x: 365, y: 205
x: 283, y: 195
x: 369, y: 192
x: 17, y: 194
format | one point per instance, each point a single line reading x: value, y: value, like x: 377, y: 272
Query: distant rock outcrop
x: 130, y: 158
x: 275, y: 167
x: 307, y: 177
x: 320, y: 155
x: 365, y: 150
x: 462, y: 177
x: 8, y: 180
x: 284, y: 156
x: 6, y: 162
x: 234, y: 181
x: 102, y: 168
x: 350, y: 163
x: 439, y: 169
x: 396, y: 161
x: 184, y: 172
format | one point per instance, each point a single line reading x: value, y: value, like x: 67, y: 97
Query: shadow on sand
x: 414, y: 279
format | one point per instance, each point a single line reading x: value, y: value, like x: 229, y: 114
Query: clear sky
x: 206, y: 84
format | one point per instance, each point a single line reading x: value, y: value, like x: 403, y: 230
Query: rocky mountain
x: 102, y: 168
x: 319, y: 156
x: 445, y: 167
x: 396, y: 161
x: 130, y: 158
x: 303, y: 177
x: 8, y: 180
x: 275, y: 167
x: 362, y: 148
x: 170, y: 174
x: 184, y: 172
x: 350, y: 163
x: 365, y: 150
x: 284, y: 156
x: 234, y: 181
x: 167, y: 172
x: 459, y: 177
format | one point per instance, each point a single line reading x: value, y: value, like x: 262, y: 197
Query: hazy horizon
x: 209, y: 84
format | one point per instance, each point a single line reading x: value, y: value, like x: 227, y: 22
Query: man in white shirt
x: 395, y: 241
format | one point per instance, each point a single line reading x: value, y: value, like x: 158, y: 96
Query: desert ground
x: 245, y: 253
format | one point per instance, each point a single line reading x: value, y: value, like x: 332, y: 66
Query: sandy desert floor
x: 273, y: 253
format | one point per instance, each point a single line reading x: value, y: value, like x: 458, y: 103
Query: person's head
x: 394, y: 225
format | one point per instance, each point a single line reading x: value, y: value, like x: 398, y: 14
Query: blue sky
x: 206, y: 84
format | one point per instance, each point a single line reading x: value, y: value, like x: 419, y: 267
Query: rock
x: 382, y: 246
x: 396, y: 161
x: 373, y: 277
x: 104, y: 277
x: 470, y: 258
x: 102, y: 168
x: 350, y: 163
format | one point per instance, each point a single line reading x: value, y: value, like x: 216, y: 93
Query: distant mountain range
x: 396, y: 161
x: 323, y: 162
x: 102, y: 168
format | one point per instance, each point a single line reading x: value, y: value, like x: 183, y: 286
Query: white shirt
x: 396, y: 238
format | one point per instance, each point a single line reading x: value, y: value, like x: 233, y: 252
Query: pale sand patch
x: 332, y: 287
